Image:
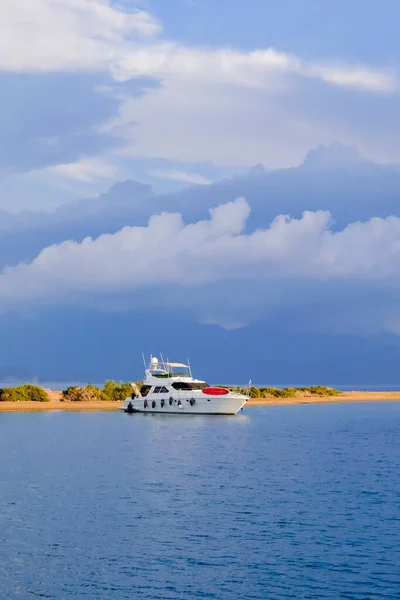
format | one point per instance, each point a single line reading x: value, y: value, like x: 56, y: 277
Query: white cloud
x: 59, y: 35
x: 183, y: 176
x: 87, y: 170
x: 253, y: 69
x: 168, y: 254
x: 168, y: 60
x: 373, y: 80
x: 239, y: 109
x: 222, y: 104
x: 230, y: 125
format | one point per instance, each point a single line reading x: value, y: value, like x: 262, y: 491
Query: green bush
x: 272, y: 392
x: 316, y: 390
x: 116, y: 392
x: 81, y: 394
x: 254, y: 392
x: 23, y: 393
x: 111, y: 392
x: 321, y: 390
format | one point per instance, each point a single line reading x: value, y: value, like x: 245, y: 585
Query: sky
x: 187, y: 91
x: 186, y: 97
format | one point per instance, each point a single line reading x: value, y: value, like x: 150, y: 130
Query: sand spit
x: 355, y: 396
x: 55, y: 402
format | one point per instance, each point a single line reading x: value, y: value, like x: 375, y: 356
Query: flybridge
x: 165, y: 369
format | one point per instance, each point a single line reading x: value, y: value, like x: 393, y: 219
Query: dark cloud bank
x: 310, y: 343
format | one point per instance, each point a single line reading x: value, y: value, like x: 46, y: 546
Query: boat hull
x: 217, y: 405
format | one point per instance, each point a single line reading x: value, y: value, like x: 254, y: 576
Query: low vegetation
x: 111, y: 392
x: 81, y: 394
x: 118, y: 392
x: 266, y: 392
x: 24, y: 393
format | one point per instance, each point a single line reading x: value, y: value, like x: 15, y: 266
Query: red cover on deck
x: 214, y: 391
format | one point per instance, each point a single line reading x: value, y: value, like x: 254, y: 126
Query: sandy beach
x: 55, y: 402
x: 355, y: 396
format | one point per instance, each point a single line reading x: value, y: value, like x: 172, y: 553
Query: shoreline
x: 55, y: 404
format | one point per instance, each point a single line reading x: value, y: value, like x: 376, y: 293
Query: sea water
x: 278, y: 502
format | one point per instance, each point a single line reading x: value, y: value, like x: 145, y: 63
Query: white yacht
x: 170, y: 388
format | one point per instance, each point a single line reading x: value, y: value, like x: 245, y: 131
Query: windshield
x: 165, y: 370
x: 186, y: 385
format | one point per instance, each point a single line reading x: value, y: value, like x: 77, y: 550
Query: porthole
x: 162, y: 403
x: 171, y: 401
x: 153, y: 404
x: 145, y: 403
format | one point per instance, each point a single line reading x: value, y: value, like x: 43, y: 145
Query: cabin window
x: 144, y: 390
x: 160, y: 390
x: 186, y: 385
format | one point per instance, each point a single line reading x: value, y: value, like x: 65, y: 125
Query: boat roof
x: 171, y: 364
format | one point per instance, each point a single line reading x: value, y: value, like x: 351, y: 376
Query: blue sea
x: 278, y: 502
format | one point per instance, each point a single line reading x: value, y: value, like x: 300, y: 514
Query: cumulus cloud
x: 212, y: 98
x: 239, y: 117
x: 230, y: 125
x: 334, y: 155
x: 169, y: 255
x: 332, y: 178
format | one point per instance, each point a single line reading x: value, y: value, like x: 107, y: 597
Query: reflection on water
x: 278, y: 502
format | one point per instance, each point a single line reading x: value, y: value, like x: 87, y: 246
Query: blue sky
x: 180, y: 95
x: 360, y: 30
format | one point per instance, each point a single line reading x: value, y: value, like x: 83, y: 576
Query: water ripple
x: 285, y: 502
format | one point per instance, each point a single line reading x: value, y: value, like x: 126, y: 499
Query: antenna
x: 190, y: 368
x: 144, y: 361
x: 162, y: 358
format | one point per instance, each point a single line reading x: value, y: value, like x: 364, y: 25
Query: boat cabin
x: 167, y: 377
